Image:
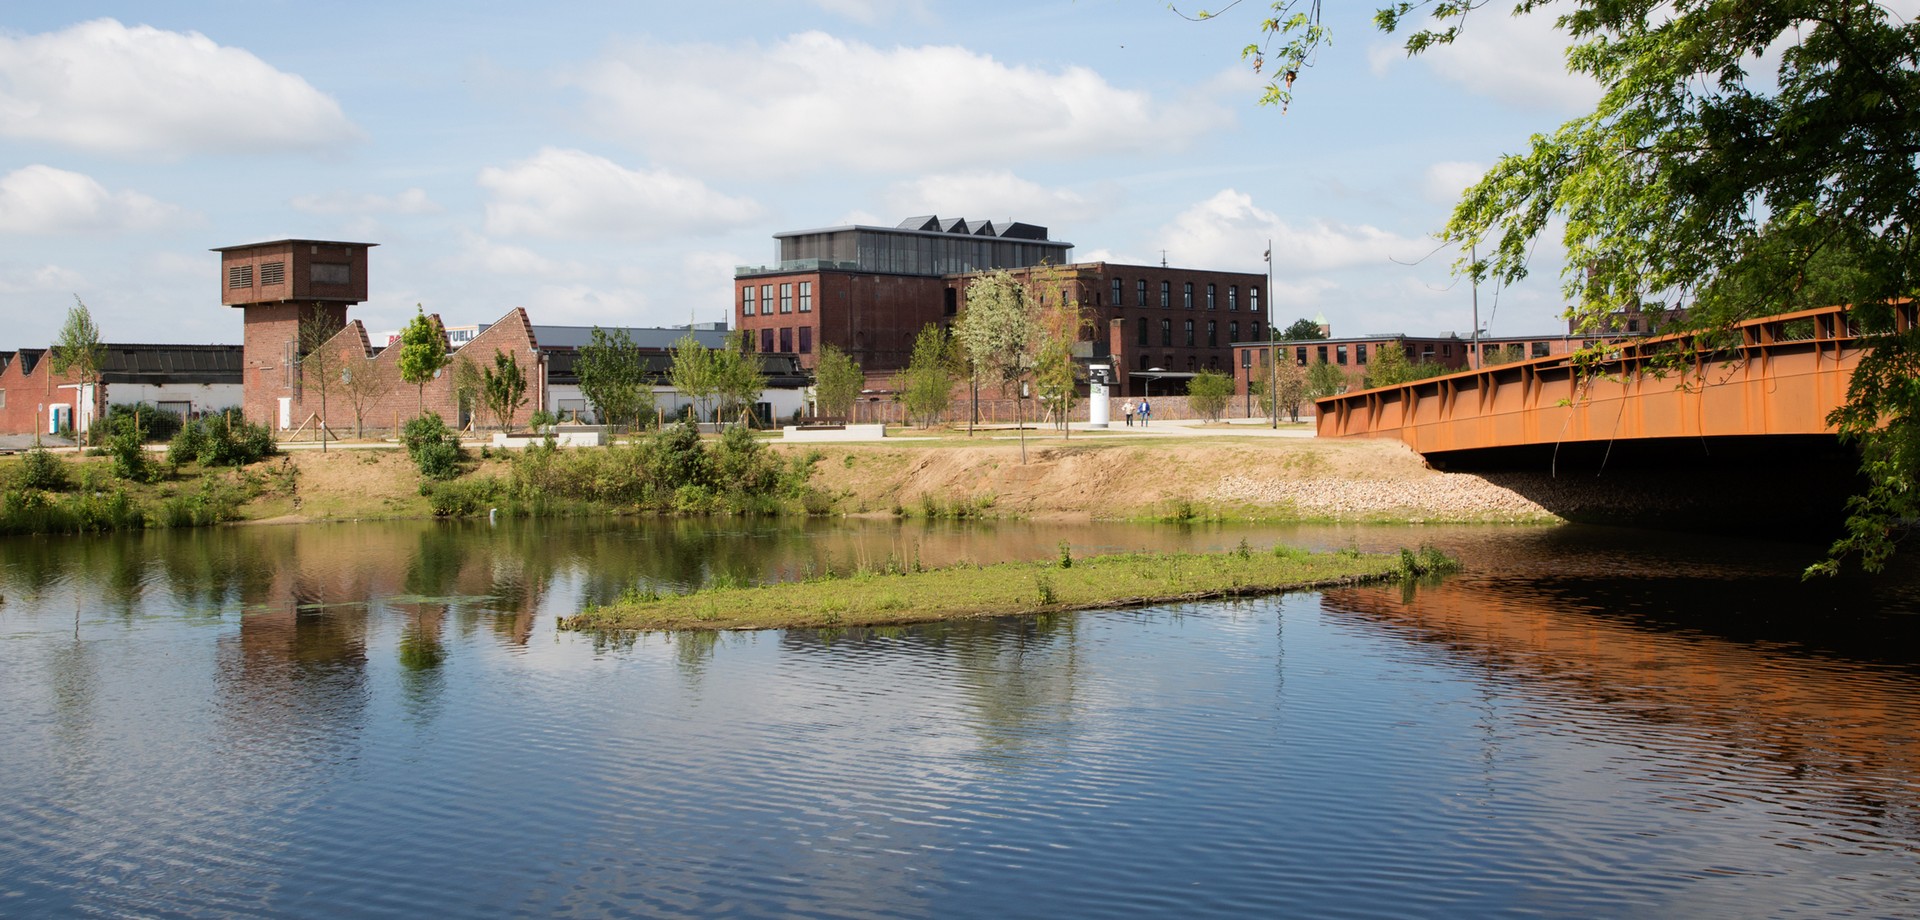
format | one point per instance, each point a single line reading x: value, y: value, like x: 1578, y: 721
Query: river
x: 380, y: 720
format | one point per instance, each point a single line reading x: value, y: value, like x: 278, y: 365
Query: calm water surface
x: 380, y: 720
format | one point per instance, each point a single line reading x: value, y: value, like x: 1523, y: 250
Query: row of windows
x: 1186, y: 295
x: 1145, y: 361
x: 1143, y: 339
x: 764, y: 302
x: 785, y: 340
x: 272, y: 273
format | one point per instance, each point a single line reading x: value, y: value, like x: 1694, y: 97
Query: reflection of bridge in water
x: 1780, y: 378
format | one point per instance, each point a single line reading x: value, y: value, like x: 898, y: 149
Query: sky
x: 612, y: 164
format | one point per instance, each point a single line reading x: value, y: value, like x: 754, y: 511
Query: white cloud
x: 584, y: 305
x: 1518, y: 60
x: 576, y: 195
x: 815, y: 102
x: 990, y: 195
x: 44, y: 200
x: 103, y: 86
x: 1229, y: 229
x: 411, y: 201
x: 1445, y: 181
x: 478, y: 254
x: 44, y: 279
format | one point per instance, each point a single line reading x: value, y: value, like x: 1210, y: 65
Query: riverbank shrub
x: 155, y: 424
x: 433, y: 447
x: 41, y: 469
x: 224, y: 439
x: 24, y: 511
x: 213, y: 500
x: 668, y: 471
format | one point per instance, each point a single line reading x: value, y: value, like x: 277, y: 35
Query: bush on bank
x: 44, y: 494
x: 669, y: 471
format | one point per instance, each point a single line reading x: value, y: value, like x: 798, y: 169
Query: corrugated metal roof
x: 644, y: 338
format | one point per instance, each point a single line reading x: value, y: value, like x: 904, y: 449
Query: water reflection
x: 358, y: 719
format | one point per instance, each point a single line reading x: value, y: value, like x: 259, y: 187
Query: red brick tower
x: 278, y: 285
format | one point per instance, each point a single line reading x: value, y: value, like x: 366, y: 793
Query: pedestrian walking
x: 1127, y: 409
x: 1146, y: 413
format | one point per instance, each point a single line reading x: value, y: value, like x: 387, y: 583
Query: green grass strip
x: 1008, y: 588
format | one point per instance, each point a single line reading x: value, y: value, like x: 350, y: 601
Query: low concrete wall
x: 844, y: 433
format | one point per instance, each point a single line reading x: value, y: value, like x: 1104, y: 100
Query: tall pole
x: 1473, y: 255
x: 1273, y: 359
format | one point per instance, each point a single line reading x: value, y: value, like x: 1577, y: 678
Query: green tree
x: 1287, y: 383
x: 613, y: 378
x: 1390, y: 366
x: 694, y: 374
x: 423, y: 352
x: 1207, y: 394
x: 998, y: 329
x: 1302, y: 329
x: 1055, y: 378
x: 1324, y: 379
x: 926, y: 386
x: 80, y: 353
x: 505, y: 388
x: 837, y: 382
x: 1701, y: 181
x: 320, y: 366
x: 738, y: 376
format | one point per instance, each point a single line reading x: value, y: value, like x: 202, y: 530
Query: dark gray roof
x: 282, y: 242
x: 782, y: 371
x: 171, y: 364
x: 645, y: 338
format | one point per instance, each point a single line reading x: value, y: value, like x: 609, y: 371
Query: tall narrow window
x: 1360, y: 353
x: 766, y: 300
x: 806, y: 300
x: 1189, y: 333
x: 1186, y: 295
x: 1166, y: 332
x: 746, y: 300
x: 766, y: 339
x: 1213, y: 333
x: 1233, y: 331
x: 1210, y: 304
x: 1116, y: 292
x: 1233, y: 297
x: 1140, y: 323
x: 786, y: 340
x: 1255, y: 333
x: 1321, y: 353
x: 1166, y: 294
x: 1253, y: 302
x: 786, y: 300
x: 1340, y: 355
x: 1300, y: 355
x: 1140, y: 291
x: 806, y: 340
x: 1066, y: 296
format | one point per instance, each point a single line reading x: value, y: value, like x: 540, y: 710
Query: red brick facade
x: 513, y: 333
x: 29, y: 388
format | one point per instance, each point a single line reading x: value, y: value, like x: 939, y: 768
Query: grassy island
x: 872, y: 598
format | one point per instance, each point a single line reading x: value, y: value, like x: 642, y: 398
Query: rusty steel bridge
x: 1782, y: 375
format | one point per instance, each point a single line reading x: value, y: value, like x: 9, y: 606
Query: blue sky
x: 611, y: 164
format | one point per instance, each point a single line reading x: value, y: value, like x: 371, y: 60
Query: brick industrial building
x: 869, y: 291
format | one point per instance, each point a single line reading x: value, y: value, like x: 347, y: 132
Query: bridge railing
x: 1774, y: 375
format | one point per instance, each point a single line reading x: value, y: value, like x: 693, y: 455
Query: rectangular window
x: 1166, y: 294
x: 1189, y: 333
x: 1300, y: 354
x: 1360, y: 353
x: 273, y: 273
x: 1116, y: 292
x: 766, y: 300
x: 786, y: 301
x: 1539, y: 349
x: 746, y: 300
x: 766, y: 340
x: 1141, y: 324
x: 1340, y: 355
x: 328, y: 273
x: 1213, y: 333
x: 1186, y: 295
x: 1210, y: 304
x: 1320, y: 353
x: 240, y: 276
x: 1253, y: 303
x: 806, y: 339
x: 1246, y: 357
x: 1066, y: 296
x: 1233, y: 331
x: 1446, y: 349
x: 806, y: 300
x: 1254, y: 334
x: 1140, y: 291
x: 1166, y: 332
x: 1233, y: 297
x: 786, y: 340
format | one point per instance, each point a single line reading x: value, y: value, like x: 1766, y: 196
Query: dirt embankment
x: 1267, y: 477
